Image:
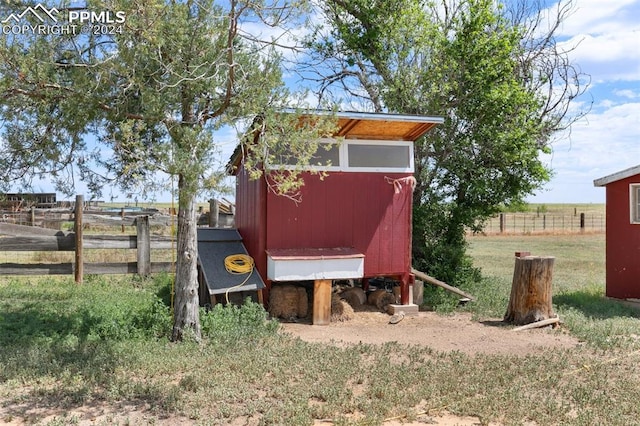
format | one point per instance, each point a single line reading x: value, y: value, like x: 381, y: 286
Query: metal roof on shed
x: 378, y: 125
x: 614, y: 177
x: 366, y: 125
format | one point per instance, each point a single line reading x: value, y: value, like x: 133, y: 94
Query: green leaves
x: 174, y: 66
x: 467, y: 61
x: 283, y: 143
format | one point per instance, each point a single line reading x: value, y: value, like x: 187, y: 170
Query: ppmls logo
x: 79, y: 21
x: 39, y: 11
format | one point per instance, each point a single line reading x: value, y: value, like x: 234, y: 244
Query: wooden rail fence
x: 15, y: 238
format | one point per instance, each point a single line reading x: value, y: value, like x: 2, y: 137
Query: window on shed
x: 379, y: 156
x: 369, y: 156
x: 326, y: 155
x: 634, y: 195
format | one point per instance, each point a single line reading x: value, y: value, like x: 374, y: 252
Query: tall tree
x: 499, y: 80
x: 150, y: 87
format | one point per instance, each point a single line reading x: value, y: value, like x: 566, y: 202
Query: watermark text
x: 40, y: 20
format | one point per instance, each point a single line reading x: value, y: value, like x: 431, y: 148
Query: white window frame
x: 343, y: 155
x: 345, y: 148
x: 634, y: 203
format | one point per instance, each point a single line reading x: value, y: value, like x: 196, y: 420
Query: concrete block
x: 418, y: 293
x: 409, y: 310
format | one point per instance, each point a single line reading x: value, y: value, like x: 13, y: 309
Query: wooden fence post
x: 582, y: 224
x: 214, y: 213
x: 530, y: 299
x: 503, y: 222
x: 143, y: 245
x: 33, y: 216
x: 79, y: 255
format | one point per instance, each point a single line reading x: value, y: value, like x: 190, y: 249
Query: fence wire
x: 530, y: 223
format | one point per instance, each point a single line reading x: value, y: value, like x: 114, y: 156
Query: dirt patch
x: 457, y: 332
x: 445, y: 333
x: 89, y: 415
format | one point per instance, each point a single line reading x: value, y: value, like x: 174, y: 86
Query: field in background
x: 579, y: 268
x: 579, y: 263
x: 564, y: 208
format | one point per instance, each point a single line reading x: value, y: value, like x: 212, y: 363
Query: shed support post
x: 321, y: 302
x: 406, y: 288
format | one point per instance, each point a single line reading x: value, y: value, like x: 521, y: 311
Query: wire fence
x: 531, y: 223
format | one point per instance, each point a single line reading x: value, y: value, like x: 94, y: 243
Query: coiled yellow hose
x: 238, y: 264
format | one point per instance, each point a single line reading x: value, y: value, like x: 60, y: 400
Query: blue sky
x: 604, y: 39
x: 607, y: 140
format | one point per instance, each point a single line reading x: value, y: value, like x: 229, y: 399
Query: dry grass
x: 580, y: 258
x: 81, y: 349
x: 64, y: 348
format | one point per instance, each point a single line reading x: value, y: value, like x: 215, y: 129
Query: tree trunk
x: 186, y: 306
x: 530, y: 299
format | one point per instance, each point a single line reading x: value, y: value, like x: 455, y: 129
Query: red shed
x: 623, y: 233
x: 353, y: 224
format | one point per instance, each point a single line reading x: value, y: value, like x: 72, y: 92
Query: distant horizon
x: 168, y: 201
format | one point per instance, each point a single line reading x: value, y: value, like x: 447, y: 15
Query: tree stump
x: 530, y: 299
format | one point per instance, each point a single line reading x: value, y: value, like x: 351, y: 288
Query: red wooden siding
x: 359, y: 210
x: 250, y: 218
x: 623, y: 242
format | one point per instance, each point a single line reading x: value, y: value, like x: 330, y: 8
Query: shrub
x: 230, y: 322
x: 120, y: 308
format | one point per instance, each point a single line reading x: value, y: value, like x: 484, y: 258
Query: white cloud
x: 626, y: 93
x: 605, y: 36
x: 600, y: 144
x: 599, y: 17
x: 607, y: 57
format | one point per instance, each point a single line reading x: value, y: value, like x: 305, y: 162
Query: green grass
x: 579, y: 259
x: 105, y: 343
x: 578, y: 284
